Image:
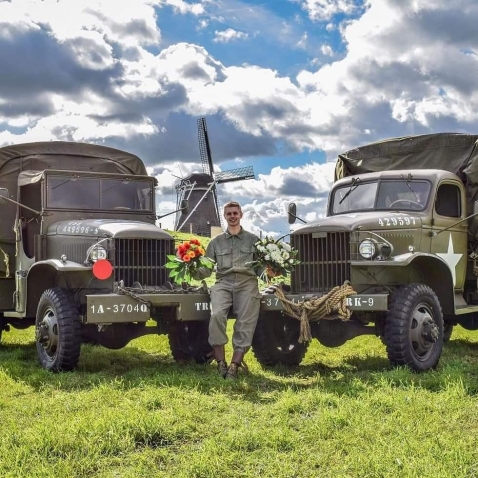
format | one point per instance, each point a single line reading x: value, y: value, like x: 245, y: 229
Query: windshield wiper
x: 353, y: 186
x: 116, y: 184
x: 407, y: 181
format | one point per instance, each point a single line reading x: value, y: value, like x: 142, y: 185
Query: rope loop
x: 330, y: 306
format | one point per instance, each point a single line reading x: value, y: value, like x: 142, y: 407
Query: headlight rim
x: 374, y: 249
x: 93, y: 254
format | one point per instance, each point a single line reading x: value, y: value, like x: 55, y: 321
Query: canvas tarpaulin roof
x: 454, y: 152
x: 59, y: 155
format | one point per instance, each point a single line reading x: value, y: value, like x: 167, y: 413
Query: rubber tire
x: 65, y: 355
x: 276, y: 340
x: 188, y: 340
x: 399, y: 324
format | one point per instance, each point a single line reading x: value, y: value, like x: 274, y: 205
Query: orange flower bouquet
x: 188, y: 259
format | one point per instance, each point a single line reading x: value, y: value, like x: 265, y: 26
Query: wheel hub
x: 46, y: 332
x: 429, y: 330
x: 424, y: 331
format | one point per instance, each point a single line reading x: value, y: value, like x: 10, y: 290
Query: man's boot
x: 220, y: 356
x: 236, y: 363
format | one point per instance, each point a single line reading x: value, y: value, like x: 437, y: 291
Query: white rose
x: 285, y: 246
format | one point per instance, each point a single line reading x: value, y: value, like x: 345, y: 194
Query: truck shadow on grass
x: 132, y: 367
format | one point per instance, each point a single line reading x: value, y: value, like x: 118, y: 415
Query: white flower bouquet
x: 276, y: 257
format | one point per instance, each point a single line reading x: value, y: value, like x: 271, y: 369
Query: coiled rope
x: 330, y: 306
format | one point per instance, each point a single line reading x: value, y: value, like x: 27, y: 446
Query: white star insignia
x: 451, y: 259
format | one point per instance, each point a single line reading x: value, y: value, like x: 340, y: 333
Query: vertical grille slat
x: 142, y: 260
x: 325, y: 262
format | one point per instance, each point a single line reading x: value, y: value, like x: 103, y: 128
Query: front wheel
x: 57, y: 331
x: 414, y: 328
x: 276, y: 340
x: 188, y: 340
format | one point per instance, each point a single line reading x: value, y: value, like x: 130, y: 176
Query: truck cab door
x: 30, y: 195
x: 450, y: 240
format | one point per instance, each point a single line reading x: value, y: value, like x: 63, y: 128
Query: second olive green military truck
x: 81, y: 257
x: 401, y: 226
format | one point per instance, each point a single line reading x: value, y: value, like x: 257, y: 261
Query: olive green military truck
x: 401, y: 226
x: 81, y: 258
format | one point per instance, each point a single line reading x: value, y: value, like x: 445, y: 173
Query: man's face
x: 233, y: 216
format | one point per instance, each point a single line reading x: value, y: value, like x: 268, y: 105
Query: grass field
x: 135, y: 413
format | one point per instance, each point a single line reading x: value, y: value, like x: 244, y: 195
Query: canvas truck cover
x: 454, y: 152
x: 58, y: 155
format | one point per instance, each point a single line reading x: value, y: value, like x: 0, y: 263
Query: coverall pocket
x: 224, y: 259
x: 247, y: 254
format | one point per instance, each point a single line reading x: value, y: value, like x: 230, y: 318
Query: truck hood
x: 116, y: 228
x: 373, y: 220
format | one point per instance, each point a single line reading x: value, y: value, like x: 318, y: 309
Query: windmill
x: 200, y: 190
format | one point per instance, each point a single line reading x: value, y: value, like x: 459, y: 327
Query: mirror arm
x: 297, y: 217
x: 172, y: 212
x: 20, y: 204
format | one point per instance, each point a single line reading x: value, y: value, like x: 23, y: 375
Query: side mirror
x: 292, y: 213
x: 3, y: 195
x: 184, y: 207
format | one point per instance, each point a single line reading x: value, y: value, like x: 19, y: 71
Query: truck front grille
x: 325, y: 261
x: 142, y: 260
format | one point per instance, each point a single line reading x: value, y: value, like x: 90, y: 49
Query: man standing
x: 236, y: 286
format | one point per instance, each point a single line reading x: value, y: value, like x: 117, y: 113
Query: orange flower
x: 201, y: 250
x: 191, y: 254
x: 186, y: 258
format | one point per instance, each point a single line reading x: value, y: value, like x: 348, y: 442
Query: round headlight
x: 95, y: 253
x: 367, y: 249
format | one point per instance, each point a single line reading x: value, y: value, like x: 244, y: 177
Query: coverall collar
x: 239, y: 234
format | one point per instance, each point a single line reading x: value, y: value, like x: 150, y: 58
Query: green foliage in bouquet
x: 188, y: 259
x: 275, y: 255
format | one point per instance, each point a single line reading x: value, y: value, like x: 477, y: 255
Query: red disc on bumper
x: 102, y: 269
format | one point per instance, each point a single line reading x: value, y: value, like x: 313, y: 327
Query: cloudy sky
x: 285, y: 85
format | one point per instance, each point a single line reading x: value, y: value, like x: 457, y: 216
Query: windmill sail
x: 201, y: 192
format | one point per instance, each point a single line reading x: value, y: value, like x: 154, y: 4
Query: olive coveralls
x: 236, y: 285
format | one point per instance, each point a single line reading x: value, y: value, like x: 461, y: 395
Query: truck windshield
x: 78, y: 192
x: 384, y: 194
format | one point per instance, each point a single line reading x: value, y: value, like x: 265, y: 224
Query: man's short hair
x: 232, y: 204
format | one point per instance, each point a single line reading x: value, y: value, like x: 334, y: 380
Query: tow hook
x: 430, y: 330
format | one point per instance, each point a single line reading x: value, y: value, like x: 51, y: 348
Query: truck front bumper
x: 120, y: 308
x: 362, y: 302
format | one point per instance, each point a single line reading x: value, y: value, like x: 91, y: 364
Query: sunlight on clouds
x: 326, y: 50
x: 302, y: 43
x: 182, y: 7
x: 229, y: 35
x: 69, y: 127
x: 113, y: 18
x: 325, y: 9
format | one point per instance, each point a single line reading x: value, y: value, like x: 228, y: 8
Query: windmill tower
x: 200, y: 190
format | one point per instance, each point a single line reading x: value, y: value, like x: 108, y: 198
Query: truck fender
x: 423, y: 268
x: 42, y: 276
x: 438, y: 277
